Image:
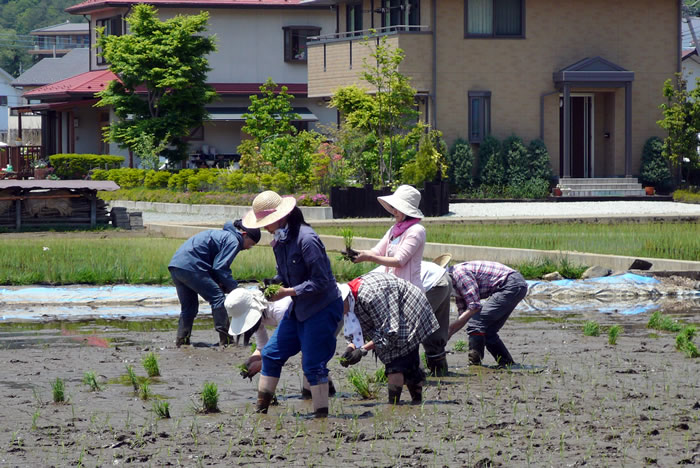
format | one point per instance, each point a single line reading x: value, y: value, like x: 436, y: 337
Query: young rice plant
x: 90, y: 379
x: 591, y: 329
x: 210, y: 398
x: 150, y: 363
x: 58, y: 390
x: 613, y: 333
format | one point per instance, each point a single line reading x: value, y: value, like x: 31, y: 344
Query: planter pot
x: 649, y: 190
x: 556, y: 191
x: 42, y: 172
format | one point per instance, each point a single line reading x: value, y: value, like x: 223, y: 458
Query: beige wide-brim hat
x: 406, y: 199
x: 443, y: 259
x: 245, y: 307
x: 268, y: 208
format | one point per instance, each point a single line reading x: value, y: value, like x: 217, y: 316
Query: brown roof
x: 107, y: 185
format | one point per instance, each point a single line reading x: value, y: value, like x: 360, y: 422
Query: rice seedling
x: 658, y: 321
x: 379, y: 376
x: 684, y: 342
x: 145, y: 390
x: 161, y: 409
x: 90, y: 379
x: 150, y: 364
x: 131, y: 375
x: 58, y: 390
x: 271, y: 290
x: 460, y: 346
x: 35, y: 419
x: 360, y: 381
x: 613, y: 333
x: 591, y: 329
x: 210, y: 398
x: 253, y: 347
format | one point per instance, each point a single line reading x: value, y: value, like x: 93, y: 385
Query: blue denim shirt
x: 302, y: 264
x: 211, y: 251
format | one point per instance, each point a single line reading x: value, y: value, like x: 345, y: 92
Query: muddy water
x: 576, y: 400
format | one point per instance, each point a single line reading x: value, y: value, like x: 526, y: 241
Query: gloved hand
x: 352, y: 356
x: 254, y: 365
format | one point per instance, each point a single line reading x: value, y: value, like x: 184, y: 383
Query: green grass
x: 613, y: 333
x: 680, y: 241
x: 591, y: 329
x: 658, y: 321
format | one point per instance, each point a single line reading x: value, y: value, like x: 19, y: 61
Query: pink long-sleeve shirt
x: 408, y: 250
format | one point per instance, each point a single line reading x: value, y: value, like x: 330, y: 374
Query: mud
x: 575, y: 401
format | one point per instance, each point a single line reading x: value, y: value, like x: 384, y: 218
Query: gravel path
x: 501, y: 209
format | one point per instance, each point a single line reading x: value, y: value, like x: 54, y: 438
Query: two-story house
x: 584, y: 76
x: 59, y: 39
x: 256, y: 39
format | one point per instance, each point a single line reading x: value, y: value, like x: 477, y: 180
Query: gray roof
x: 51, y: 70
x: 63, y: 28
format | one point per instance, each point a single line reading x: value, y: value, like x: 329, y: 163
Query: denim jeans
x: 314, y: 337
x: 190, y: 284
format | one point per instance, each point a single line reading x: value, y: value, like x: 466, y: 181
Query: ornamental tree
x: 161, y: 89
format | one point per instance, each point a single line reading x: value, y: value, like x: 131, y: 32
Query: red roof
x: 89, y: 83
x: 688, y: 52
x: 86, y: 83
x: 89, y: 5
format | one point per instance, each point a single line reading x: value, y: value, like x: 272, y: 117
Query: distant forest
x: 18, y: 18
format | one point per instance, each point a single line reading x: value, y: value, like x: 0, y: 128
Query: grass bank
x: 677, y: 241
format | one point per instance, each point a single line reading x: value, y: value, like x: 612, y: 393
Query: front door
x: 581, y: 137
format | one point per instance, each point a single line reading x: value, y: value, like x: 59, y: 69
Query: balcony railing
x: 21, y: 158
x: 374, y: 32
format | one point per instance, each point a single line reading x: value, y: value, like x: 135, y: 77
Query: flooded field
x: 575, y: 400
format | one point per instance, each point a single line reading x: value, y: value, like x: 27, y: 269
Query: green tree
x: 13, y: 56
x: 461, y: 162
x: 682, y: 122
x: 270, y: 114
x: 654, y: 170
x: 388, y: 112
x: 167, y: 59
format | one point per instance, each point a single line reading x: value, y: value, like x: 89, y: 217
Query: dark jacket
x: 302, y: 264
x: 211, y: 251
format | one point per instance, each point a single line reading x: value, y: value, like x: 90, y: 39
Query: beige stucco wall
x: 637, y: 35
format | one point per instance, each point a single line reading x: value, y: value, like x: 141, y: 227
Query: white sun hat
x: 405, y: 199
x: 245, y: 307
x: 268, y: 208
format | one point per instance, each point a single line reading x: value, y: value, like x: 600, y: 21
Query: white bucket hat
x: 405, y: 199
x: 268, y: 208
x: 245, y: 307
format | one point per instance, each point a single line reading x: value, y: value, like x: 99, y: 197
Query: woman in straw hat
x: 305, y: 272
x: 401, y: 249
x: 202, y: 266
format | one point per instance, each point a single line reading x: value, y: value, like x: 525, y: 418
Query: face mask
x: 281, y: 234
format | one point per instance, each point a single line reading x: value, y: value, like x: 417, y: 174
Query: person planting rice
x: 505, y: 288
x: 305, y: 273
x: 250, y: 313
x: 202, y: 266
x: 395, y: 316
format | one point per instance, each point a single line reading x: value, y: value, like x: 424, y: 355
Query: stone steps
x: 601, y: 187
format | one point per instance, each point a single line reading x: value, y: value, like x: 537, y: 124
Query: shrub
x: 77, y: 166
x: 491, y: 166
x: 156, y: 179
x: 516, y: 159
x: 99, y: 174
x: 461, y: 163
x: 127, y: 177
x: 540, y: 166
x: 425, y: 166
x: 180, y: 180
x: 530, y: 188
x: 655, y: 171
x: 281, y: 183
x: 203, y: 181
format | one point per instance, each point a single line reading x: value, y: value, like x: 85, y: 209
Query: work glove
x: 352, y: 356
x: 254, y: 365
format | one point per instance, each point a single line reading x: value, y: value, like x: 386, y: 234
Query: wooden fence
x: 21, y: 158
x: 361, y: 202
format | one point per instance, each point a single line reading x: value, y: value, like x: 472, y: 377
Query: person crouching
x: 395, y: 318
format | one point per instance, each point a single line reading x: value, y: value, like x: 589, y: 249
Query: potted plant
x: 42, y: 169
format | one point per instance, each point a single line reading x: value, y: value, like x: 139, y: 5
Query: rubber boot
x: 438, y: 366
x: 416, y: 391
x: 395, y: 394
x: 225, y: 339
x: 321, y: 413
x: 184, y: 331
x: 476, y: 349
x: 305, y: 394
x: 500, y: 353
x: 264, y: 401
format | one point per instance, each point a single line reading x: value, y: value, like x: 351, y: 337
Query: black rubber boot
x: 500, y: 353
x: 438, y: 366
x: 225, y: 339
x: 395, y: 394
x: 264, y: 401
x: 321, y: 413
x: 306, y: 394
x: 416, y: 391
x: 184, y: 331
x: 331, y: 388
x: 477, y: 343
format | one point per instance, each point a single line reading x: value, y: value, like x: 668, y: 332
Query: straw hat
x: 443, y: 259
x: 405, y: 199
x: 268, y: 208
x: 245, y: 307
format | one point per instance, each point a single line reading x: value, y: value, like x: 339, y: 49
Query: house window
x: 3, y: 100
x: 295, y: 42
x: 400, y: 13
x: 113, y: 27
x: 494, y: 18
x: 479, y: 115
x: 353, y: 18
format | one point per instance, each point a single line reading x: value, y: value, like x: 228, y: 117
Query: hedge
x: 77, y: 166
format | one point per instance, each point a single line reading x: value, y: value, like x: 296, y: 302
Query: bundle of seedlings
x: 362, y: 383
x: 349, y: 253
